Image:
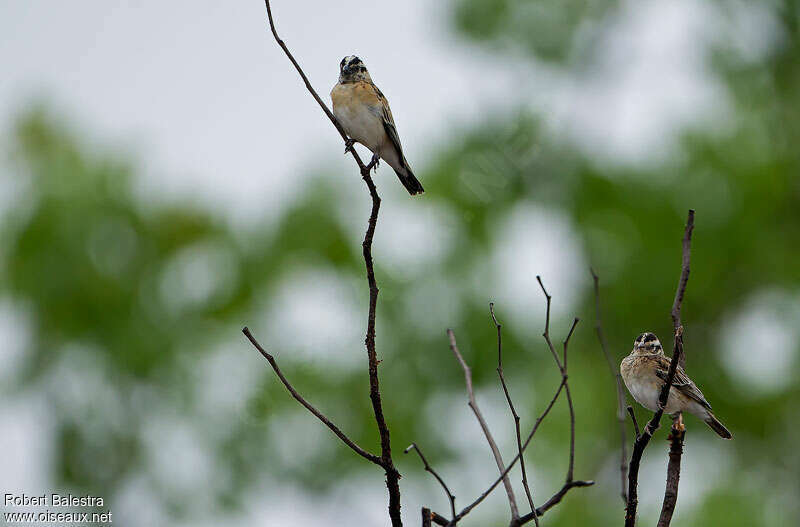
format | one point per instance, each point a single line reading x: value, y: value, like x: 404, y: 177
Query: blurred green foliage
x: 147, y: 293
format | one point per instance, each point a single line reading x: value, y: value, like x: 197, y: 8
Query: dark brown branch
x: 684, y: 279
x: 392, y: 475
x: 438, y: 519
x: 335, y: 429
x: 677, y: 358
x: 678, y: 431
x: 512, y: 502
x: 644, y: 438
x: 614, y: 369
x: 513, y: 412
x: 413, y: 446
x: 676, y: 436
x: 634, y: 421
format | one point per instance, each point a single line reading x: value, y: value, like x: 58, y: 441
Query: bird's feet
x: 374, y: 163
x: 348, y: 146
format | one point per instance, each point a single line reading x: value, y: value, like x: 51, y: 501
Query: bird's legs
x: 677, y: 422
x: 374, y: 163
x: 348, y: 145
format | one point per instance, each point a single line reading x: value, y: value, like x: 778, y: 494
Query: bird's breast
x: 360, y: 119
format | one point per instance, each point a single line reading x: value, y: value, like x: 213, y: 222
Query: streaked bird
x: 645, y: 371
x: 364, y: 113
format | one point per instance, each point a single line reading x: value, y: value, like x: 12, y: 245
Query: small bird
x: 645, y: 371
x: 364, y: 113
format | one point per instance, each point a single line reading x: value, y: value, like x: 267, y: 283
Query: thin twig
x: 413, y: 446
x: 563, y: 369
x: 686, y: 256
x: 513, y: 412
x: 335, y: 429
x: 635, y: 422
x: 392, y: 475
x: 614, y: 369
x: 512, y: 502
x: 555, y: 498
x: 569, y: 482
x: 571, y: 468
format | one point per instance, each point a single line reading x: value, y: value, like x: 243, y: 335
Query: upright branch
x: 513, y: 413
x: 614, y: 369
x: 676, y: 439
x: 677, y: 433
x: 512, y: 502
x: 385, y: 460
x: 684, y: 278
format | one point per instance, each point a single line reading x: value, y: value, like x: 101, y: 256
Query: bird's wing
x: 388, y: 123
x: 682, y: 382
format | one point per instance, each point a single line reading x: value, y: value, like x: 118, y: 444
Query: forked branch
x: 569, y: 483
x: 677, y: 436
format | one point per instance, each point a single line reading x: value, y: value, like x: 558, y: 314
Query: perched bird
x: 364, y: 113
x: 644, y: 372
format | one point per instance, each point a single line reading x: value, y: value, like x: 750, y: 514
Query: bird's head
x: 647, y: 343
x: 351, y: 69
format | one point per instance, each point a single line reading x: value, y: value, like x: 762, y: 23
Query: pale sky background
x: 201, y: 95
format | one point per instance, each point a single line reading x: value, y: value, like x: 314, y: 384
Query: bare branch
x: 678, y: 431
x: 335, y: 429
x: 677, y: 358
x: 512, y: 502
x: 438, y: 519
x: 564, y: 385
x: 392, y: 475
x: 563, y: 369
x: 513, y: 413
x: 676, y: 436
x: 684, y: 278
x: 413, y: 446
x: 614, y: 369
x: 539, y: 420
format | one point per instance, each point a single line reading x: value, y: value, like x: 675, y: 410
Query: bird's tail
x: 407, y: 178
x: 716, y: 426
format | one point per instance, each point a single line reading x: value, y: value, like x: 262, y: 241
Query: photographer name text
x: 51, y: 500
